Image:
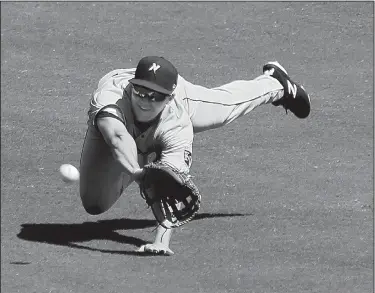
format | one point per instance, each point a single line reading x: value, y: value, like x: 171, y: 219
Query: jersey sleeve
x: 176, y: 140
x: 113, y: 111
x: 107, y: 98
x: 177, y: 153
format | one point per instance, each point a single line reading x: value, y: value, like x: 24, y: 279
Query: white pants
x: 102, y: 181
x: 211, y: 108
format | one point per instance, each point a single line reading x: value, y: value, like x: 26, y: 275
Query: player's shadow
x: 71, y: 234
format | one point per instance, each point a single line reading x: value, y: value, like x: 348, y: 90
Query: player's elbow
x: 112, y: 131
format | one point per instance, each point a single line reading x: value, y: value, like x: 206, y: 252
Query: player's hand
x: 155, y: 248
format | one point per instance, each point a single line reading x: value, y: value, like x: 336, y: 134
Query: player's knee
x: 94, y: 209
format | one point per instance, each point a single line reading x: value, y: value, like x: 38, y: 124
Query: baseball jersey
x: 168, y: 138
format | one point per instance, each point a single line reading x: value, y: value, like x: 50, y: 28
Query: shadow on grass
x: 70, y: 234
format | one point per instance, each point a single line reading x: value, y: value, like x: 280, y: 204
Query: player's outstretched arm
x: 122, y: 144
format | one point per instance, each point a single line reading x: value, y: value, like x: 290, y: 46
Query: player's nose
x: 146, y: 102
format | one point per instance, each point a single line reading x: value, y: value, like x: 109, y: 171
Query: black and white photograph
x: 187, y: 147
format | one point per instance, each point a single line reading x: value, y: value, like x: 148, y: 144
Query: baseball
x: 69, y: 173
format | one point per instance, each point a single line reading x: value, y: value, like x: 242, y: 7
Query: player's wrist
x: 137, y: 175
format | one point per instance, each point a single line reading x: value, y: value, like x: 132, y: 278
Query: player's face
x: 147, y: 104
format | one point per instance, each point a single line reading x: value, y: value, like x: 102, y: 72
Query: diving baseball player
x: 151, y: 113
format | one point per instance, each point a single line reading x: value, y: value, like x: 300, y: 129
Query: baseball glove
x: 172, y: 195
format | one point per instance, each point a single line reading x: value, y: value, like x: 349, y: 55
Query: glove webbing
x: 189, y: 207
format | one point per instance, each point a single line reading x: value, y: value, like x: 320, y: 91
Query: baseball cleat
x: 295, y: 96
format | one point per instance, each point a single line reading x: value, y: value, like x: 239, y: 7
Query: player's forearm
x: 122, y: 144
x: 124, y: 150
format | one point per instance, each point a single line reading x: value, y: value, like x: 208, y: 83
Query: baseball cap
x: 156, y: 73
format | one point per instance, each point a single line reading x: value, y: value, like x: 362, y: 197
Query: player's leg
x: 102, y: 183
x: 214, y: 107
x: 211, y: 108
x: 101, y: 180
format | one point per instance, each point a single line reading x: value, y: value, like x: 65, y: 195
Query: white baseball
x: 69, y: 173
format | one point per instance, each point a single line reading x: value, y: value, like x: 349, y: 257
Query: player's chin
x: 144, y: 115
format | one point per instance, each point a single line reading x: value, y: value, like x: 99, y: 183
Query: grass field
x: 287, y: 203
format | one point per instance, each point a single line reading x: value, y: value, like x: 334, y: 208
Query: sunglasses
x: 145, y: 93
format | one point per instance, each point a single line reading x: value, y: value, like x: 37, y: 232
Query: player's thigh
x: 101, y: 180
x: 211, y: 108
